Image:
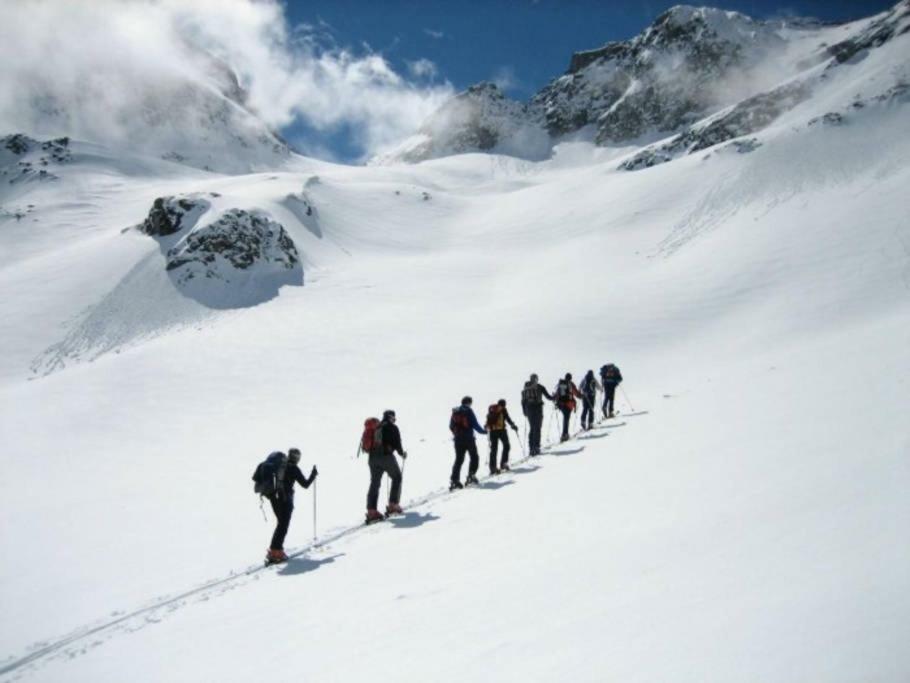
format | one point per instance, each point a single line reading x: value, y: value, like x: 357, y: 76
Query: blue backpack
x: 269, y: 474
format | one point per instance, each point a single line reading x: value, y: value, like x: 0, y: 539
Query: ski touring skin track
x: 100, y: 632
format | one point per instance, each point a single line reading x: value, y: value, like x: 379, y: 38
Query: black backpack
x: 531, y: 394
x: 562, y: 390
x: 608, y: 373
x: 269, y: 474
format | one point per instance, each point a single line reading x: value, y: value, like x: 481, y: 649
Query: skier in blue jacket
x: 463, y: 424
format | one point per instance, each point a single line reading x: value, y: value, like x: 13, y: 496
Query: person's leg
x: 535, y: 418
x: 474, y: 458
x: 375, y: 482
x: 283, y: 510
x: 494, y: 449
x: 459, y: 460
x: 611, y: 395
x: 566, y: 413
x: 391, y: 467
x: 506, y: 447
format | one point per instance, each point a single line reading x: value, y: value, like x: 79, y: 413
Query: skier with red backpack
x: 274, y: 479
x: 382, y: 439
x: 463, y: 424
x: 566, y: 392
x: 497, y: 418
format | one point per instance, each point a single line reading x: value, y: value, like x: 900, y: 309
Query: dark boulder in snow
x: 23, y: 158
x: 240, y: 259
x: 170, y: 215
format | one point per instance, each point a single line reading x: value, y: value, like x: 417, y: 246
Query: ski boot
x: 471, y: 480
x: 373, y: 516
x: 275, y: 556
x: 455, y: 485
x: 494, y: 472
x: 393, y: 509
x: 505, y: 468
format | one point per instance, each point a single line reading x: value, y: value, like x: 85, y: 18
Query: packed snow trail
x: 134, y: 620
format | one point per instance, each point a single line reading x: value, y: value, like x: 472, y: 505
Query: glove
x: 515, y: 429
x: 404, y: 454
x: 313, y: 473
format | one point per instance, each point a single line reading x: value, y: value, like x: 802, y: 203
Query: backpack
x: 460, y: 422
x: 531, y: 394
x: 562, y: 390
x: 608, y: 372
x: 493, y: 414
x: 269, y: 474
x: 587, y: 385
x: 371, y: 439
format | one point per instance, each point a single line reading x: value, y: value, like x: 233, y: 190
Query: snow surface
x: 750, y: 526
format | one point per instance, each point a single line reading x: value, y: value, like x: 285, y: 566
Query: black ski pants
x: 566, y: 411
x: 463, y: 446
x: 609, y: 393
x: 497, y: 436
x: 379, y: 464
x: 587, y: 411
x: 535, y: 420
x: 283, y: 507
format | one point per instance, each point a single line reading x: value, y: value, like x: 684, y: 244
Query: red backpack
x: 459, y: 422
x: 372, y: 435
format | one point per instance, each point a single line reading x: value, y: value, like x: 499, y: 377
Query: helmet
x: 293, y: 455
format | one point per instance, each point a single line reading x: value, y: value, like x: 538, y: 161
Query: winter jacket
x: 292, y: 473
x: 498, y: 423
x: 615, y: 379
x: 590, y: 386
x: 391, y: 439
x: 567, y: 401
x: 532, y: 395
x: 460, y: 433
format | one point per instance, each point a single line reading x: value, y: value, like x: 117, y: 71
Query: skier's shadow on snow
x: 412, y: 520
x: 592, y: 435
x: 524, y: 469
x: 494, y: 485
x: 303, y: 565
x: 567, y: 451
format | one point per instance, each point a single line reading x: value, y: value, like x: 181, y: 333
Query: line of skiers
x: 381, y: 440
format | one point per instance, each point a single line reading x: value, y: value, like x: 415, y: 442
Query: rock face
x: 238, y: 258
x: 167, y: 215
x: 895, y: 23
x: 238, y: 241
x: 659, y: 81
x: 24, y: 159
x: 481, y: 119
x: 745, y: 118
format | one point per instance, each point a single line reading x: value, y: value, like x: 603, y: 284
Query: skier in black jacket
x: 282, y: 501
x: 463, y: 424
x: 589, y: 388
x: 611, y: 377
x: 497, y: 418
x: 382, y: 459
x: 532, y: 406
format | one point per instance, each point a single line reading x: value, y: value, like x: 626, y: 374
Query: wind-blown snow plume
x: 111, y: 70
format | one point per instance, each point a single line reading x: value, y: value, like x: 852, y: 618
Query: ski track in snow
x: 86, y: 638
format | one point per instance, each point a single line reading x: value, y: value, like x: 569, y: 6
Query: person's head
x: 533, y: 378
x: 590, y: 373
x: 294, y: 455
x: 568, y: 376
x: 389, y: 416
x: 467, y: 400
x: 501, y: 402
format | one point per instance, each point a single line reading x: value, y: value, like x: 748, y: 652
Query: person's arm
x: 303, y: 481
x: 475, y: 424
x: 396, y: 441
x: 575, y: 390
x: 618, y: 376
x: 505, y: 412
x: 546, y: 393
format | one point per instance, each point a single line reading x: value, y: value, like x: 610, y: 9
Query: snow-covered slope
x: 749, y: 526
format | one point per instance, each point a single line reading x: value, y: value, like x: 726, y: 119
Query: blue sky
x: 521, y: 44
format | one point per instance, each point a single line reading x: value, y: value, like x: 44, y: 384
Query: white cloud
x: 102, y: 61
x: 434, y: 34
x: 505, y: 78
x: 423, y: 68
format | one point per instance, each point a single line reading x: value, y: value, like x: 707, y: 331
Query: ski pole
x: 314, y: 511
x: 631, y: 407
